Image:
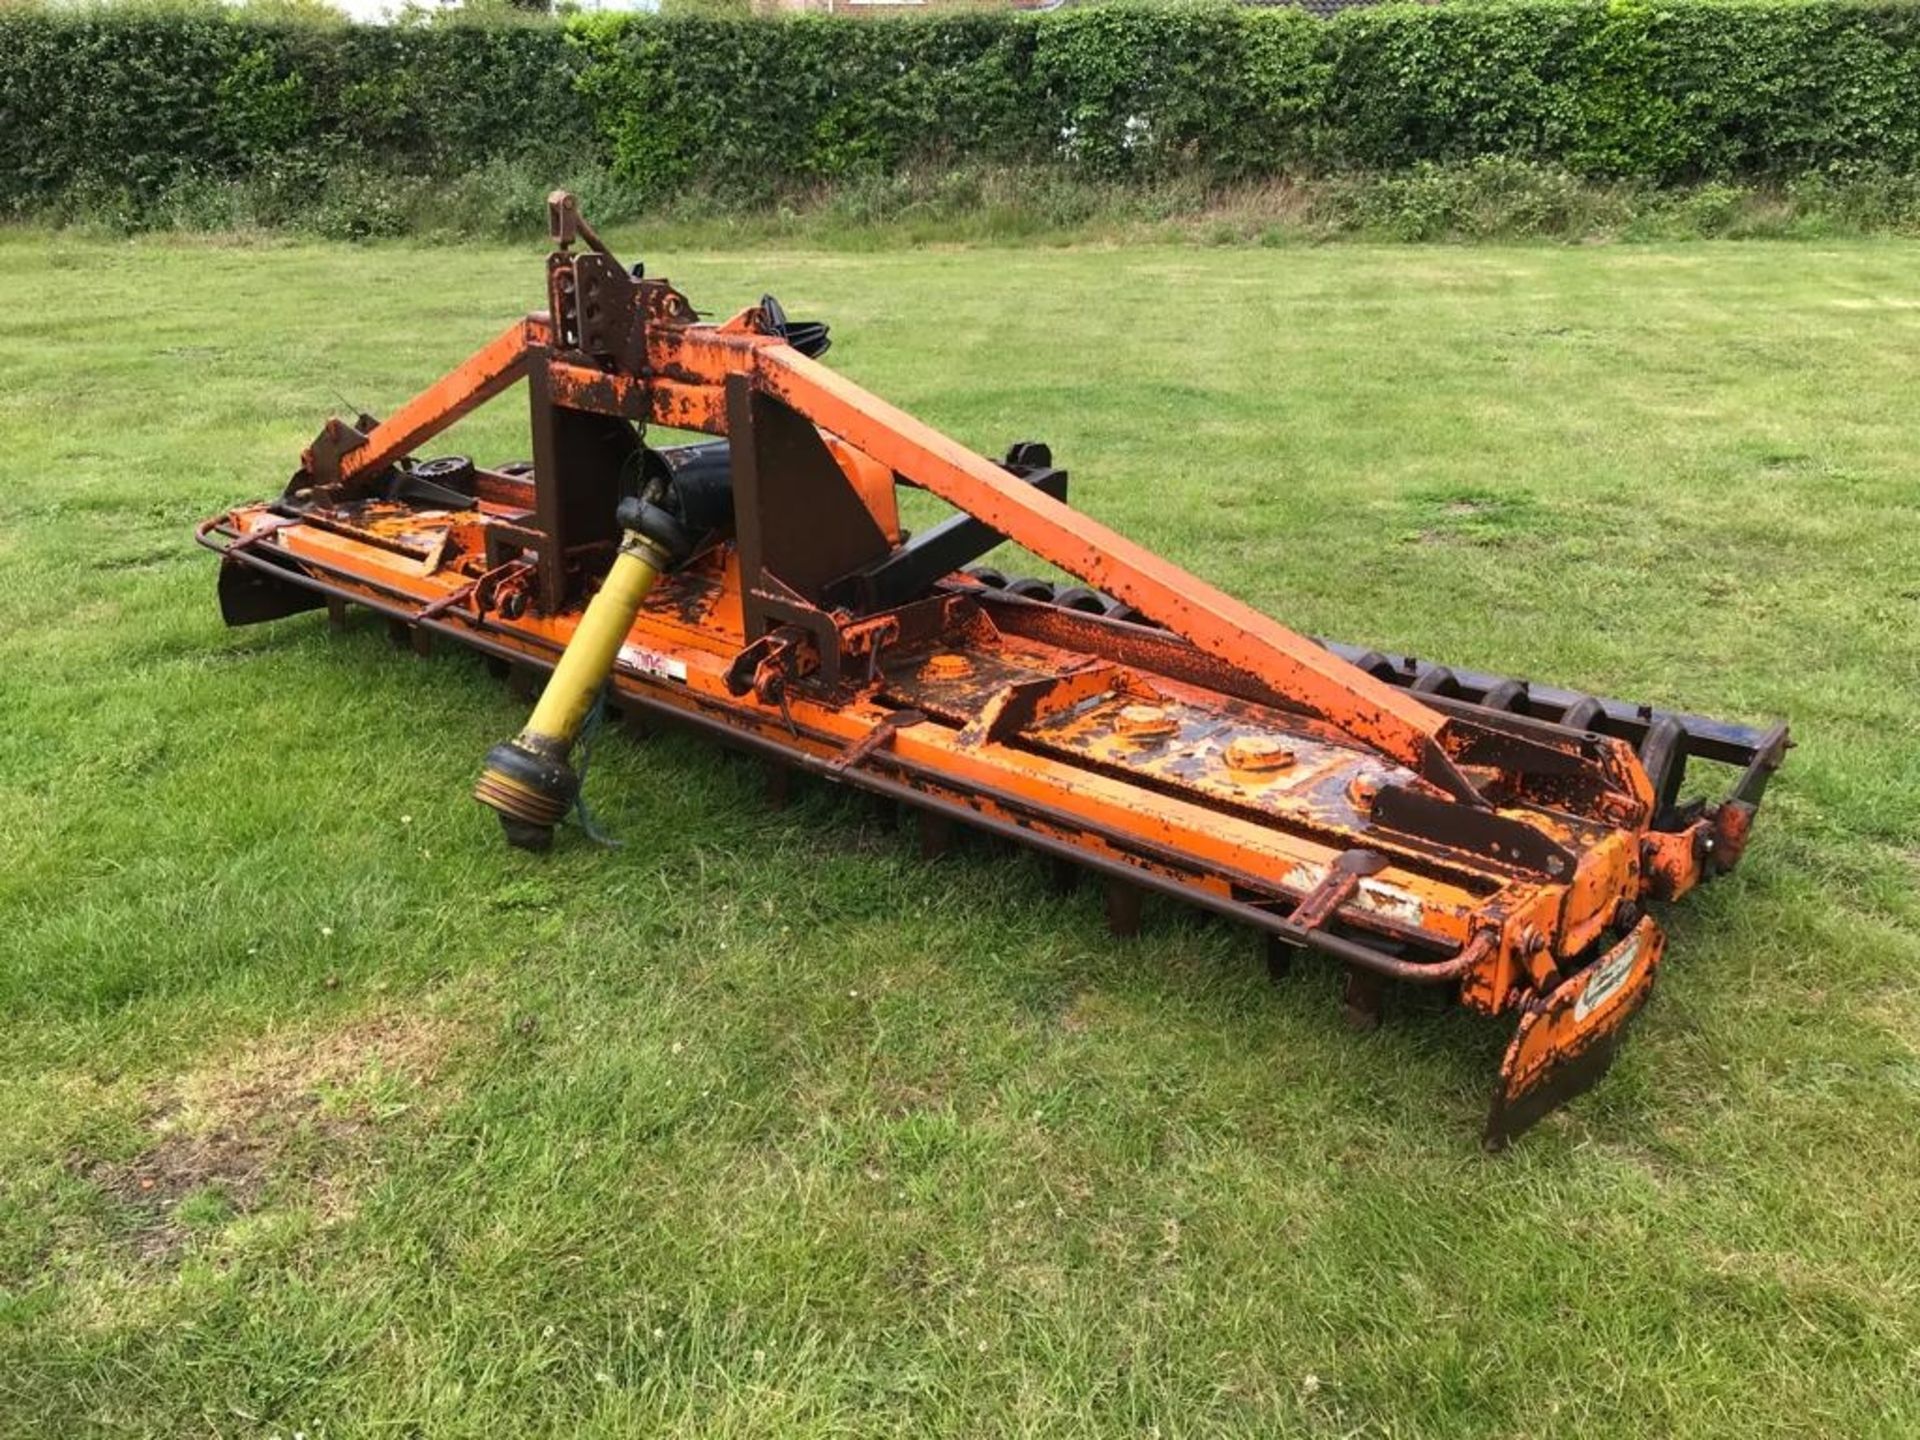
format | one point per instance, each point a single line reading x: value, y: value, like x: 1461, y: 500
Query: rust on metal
x: 947, y: 665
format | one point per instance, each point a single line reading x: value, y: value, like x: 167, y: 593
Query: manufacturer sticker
x: 1391, y: 901
x: 653, y: 663
x: 1608, y: 978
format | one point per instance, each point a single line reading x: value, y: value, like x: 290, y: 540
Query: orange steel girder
x: 482, y: 375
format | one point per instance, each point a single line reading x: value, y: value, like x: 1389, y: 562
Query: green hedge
x: 102, y: 102
x: 132, y: 104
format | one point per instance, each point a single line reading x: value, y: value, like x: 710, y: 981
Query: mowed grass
x: 326, y: 1113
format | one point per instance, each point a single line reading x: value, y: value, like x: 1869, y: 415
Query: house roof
x: 1322, y: 8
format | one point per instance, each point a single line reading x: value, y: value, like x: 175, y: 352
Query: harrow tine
x: 779, y: 785
x: 1507, y: 695
x: 1279, y: 955
x: 1123, y: 906
x: 1363, y: 999
x: 936, y: 834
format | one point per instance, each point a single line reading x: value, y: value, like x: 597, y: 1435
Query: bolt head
x: 1258, y: 753
x: 1143, y: 722
x: 947, y: 665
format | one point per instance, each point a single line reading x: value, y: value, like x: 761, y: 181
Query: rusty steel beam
x: 476, y: 380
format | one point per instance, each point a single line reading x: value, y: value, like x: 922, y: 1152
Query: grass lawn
x: 325, y: 1112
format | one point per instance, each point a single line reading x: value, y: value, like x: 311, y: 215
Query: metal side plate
x: 1566, y: 1042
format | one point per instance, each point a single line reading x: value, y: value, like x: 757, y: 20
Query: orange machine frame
x: 1416, y: 823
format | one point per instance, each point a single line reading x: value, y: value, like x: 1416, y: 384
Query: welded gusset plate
x: 1566, y: 1042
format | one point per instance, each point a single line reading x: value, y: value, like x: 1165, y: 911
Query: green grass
x: 326, y: 1113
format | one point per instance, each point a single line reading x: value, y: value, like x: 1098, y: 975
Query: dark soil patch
x: 305, y: 1113
x: 177, y: 1165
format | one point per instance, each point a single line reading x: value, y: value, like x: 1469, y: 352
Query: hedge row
x: 130, y: 103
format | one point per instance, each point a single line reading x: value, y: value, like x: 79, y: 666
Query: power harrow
x: 1419, y: 825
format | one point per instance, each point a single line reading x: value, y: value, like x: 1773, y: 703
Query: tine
x: 779, y: 780
x: 1279, y: 958
x: 1123, y: 908
x: 1362, y: 999
x: 936, y: 834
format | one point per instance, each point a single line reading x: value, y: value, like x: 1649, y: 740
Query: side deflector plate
x: 251, y: 596
x: 1567, y: 1041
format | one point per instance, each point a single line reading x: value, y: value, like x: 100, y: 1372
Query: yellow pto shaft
x: 589, y: 656
x: 528, y: 779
